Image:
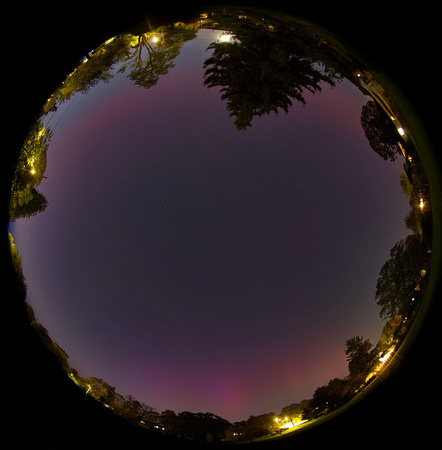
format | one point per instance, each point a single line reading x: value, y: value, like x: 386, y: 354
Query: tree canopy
x: 380, y: 131
x: 400, y: 276
x: 358, y: 354
x: 262, y: 69
x: 25, y: 200
x: 327, y: 398
x: 255, y: 426
x: 201, y: 427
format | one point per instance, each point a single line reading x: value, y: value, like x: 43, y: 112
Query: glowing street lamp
x: 226, y: 37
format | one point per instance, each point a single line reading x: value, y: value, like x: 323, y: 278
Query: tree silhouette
x: 358, y: 354
x: 95, y: 68
x: 380, y: 131
x: 294, y: 411
x: 144, y: 61
x: 261, y: 70
x: 400, y: 276
x: 139, y: 412
x: 255, y: 426
x: 202, y: 427
x: 31, y: 203
x: 25, y: 200
x: 147, y: 60
x: 17, y: 265
x: 327, y: 398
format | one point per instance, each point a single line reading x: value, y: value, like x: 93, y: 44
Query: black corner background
x: 41, y: 45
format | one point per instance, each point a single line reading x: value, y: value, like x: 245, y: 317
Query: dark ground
x: 44, y: 410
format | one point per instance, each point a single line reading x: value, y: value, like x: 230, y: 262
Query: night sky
x: 199, y: 268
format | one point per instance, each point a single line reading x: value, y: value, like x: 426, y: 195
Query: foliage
x: 413, y: 220
x: 25, y: 200
x: 95, y: 68
x: 255, y: 426
x: 170, y: 423
x: 400, y: 275
x: 380, y: 131
x: 60, y: 355
x: 99, y: 389
x: 147, y: 62
x: 143, y: 60
x: 128, y: 407
x: 358, y: 354
x: 389, y: 333
x: 16, y: 264
x: 201, y: 427
x: 327, y: 398
x: 139, y: 412
x: 262, y: 70
x: 27, y: 203
x: 294, y: 412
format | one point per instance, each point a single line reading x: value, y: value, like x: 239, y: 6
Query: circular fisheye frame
x: 223, y: 227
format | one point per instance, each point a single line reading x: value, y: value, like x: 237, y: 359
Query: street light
x: 225, y: 37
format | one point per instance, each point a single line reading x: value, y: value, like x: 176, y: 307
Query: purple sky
x: 199, y: 268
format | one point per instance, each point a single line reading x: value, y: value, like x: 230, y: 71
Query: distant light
x: 421, y: 204
x: 155, y: 39
x: 225, y: 37
x: 300, y: 422
x: 387, y: 355
x: 401, y: 131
